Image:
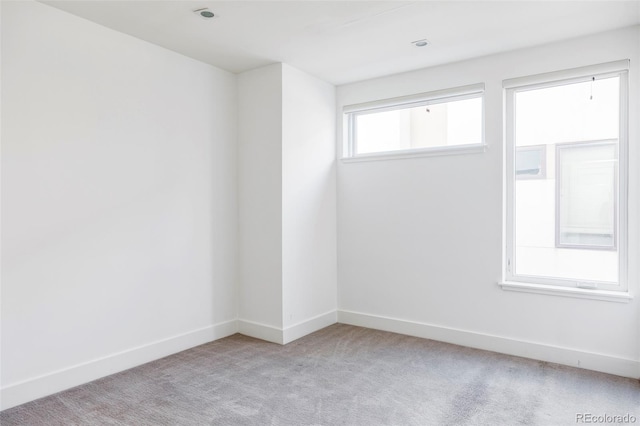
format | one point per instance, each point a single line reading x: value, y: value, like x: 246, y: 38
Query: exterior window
x: 586, y: 195
x: 566, y: 179
x: 425, y: 123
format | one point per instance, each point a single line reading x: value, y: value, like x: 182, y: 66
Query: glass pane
x: 573, y: 112
x: 565, y: 225
x: 438, y: 125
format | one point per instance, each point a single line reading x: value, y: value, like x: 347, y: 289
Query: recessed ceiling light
x: 420, y: 43
x: 205, y: 13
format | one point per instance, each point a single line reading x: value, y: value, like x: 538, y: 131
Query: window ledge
x: 413, y: 153
x: 581, y: 293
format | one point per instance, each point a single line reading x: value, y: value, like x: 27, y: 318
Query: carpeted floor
x: 342, y: 375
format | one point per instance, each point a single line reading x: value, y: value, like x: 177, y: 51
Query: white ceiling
x: 346, y: 41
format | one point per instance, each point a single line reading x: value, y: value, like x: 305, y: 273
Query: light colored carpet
x: 342, y: 375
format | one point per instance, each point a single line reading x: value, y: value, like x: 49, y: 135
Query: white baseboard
x: 309, y: 326
x: 260, y: 331
x: 566, y: 356
x: 38, y: 387
x: 28, y: 390
x: 282, y: 336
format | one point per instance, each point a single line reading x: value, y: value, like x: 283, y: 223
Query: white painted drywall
x: 119, y: 211
x: 287, y: 203
x: 421, y: 239
x: 308, y: 197
x: 260, y: 195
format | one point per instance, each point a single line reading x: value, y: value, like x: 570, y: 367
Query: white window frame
x: 350, y: 112
x: 559, y: 286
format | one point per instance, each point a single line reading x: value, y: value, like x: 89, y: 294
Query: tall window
x: 566, y: 178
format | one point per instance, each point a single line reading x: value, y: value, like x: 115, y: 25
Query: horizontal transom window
x: 427, y: 123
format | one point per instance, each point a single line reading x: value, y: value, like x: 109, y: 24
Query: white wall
x: 287, y: 188
x: 308, y: 201
x: 260, y: 196
x: 119, y: 210
x: 419, y: 243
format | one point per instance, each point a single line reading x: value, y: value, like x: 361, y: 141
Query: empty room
x: 319, y: 212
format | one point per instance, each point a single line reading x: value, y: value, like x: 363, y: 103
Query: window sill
x: 413, y: 153
x: 581, y: 293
